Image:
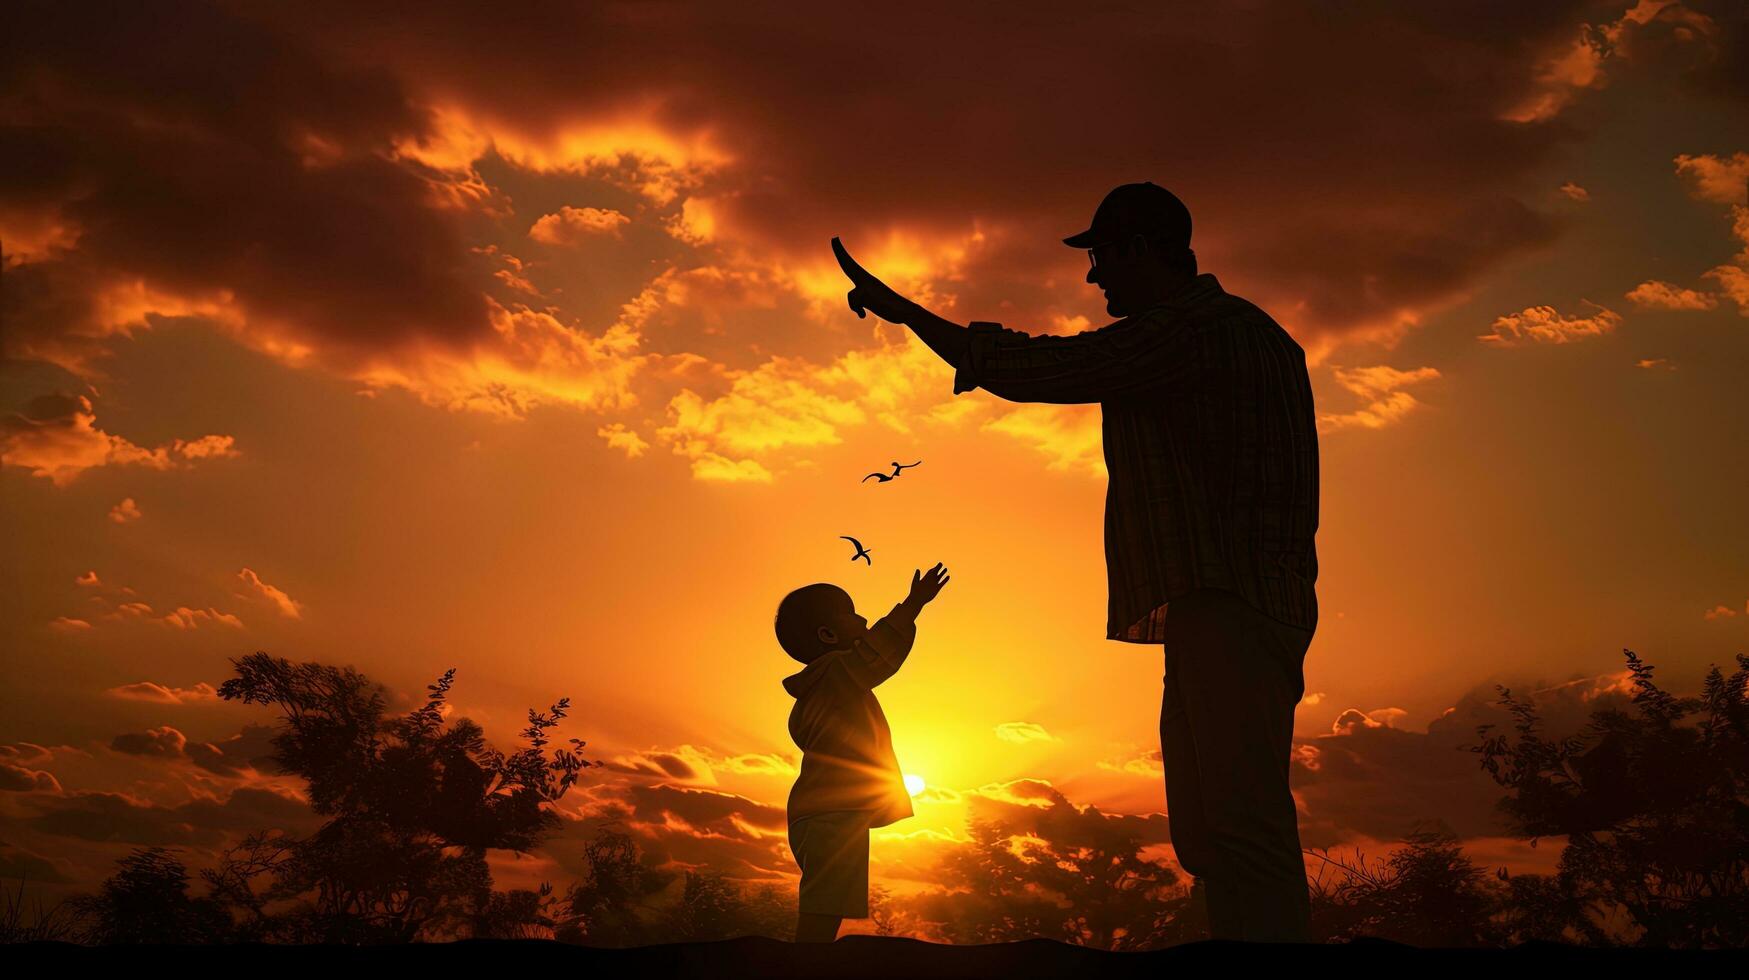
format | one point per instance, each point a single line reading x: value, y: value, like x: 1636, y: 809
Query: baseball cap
x: 1145, y: 208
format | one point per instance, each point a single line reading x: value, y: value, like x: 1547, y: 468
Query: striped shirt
x: 1210, y: 442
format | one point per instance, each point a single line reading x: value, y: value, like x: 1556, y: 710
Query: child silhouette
x: 850, y: 780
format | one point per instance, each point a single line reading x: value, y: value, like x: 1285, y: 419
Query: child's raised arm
x: 878, y: 656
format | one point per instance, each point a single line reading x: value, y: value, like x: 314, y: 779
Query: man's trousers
x: 1233, y: 677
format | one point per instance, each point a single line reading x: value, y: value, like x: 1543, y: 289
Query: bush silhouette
x: 147, y: 901
x: 413, y: 805
x: 1654, y: 804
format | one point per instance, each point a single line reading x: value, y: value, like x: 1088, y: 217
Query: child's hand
x: 926, y: 585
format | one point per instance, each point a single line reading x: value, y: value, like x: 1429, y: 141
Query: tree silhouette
x: 147, y: 901
x: 1654, y: 804
x: 413, y: 805
x: 1427, y: 893
x: 609, y: 906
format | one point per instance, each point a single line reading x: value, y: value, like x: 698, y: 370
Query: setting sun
x: 913, y: 783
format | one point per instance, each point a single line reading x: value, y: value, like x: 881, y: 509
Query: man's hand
x: 869, y: 293
x: 925, y: 586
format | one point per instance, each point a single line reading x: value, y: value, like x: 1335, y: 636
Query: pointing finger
x: 856, y: 272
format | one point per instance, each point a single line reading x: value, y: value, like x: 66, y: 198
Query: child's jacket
x: 847, y: 748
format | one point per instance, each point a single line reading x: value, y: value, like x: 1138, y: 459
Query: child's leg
x: 812, y: 927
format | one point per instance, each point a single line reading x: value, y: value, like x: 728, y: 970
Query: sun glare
x: 913, y: 784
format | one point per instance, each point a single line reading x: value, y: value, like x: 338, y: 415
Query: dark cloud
x: 657, y: 764
x: 1370, y: 778
x: 19, y: 779
x: 249, y: 749
x: 1346, y: 163
x: 18, y: 864
x: 686, y: 827
x: 1353, y: 157
x: 118, y: 818
x: 199, y: 152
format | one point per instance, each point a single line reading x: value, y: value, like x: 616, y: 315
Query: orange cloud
x: 620, y: 437
x: 1720, y: 612
x: 1022, y: 732
x: 20, y: 779
x: 1544, y: 325
x: 1580, y: 64
x: 1575, y: 192
x: 56, y: 437
x: 1655, y: 363
x: 569, y: 226
x: 162, y: 694
x: 1068, y: 435
x: 125, y: 512
x: 67, y: 624
x: 287, y: 606
x: 1379, y: 384
x: 185, y: 618
x: 1148, y: 764
x: 1656, y: 295
x: 1721, y: 180
x: 88, y: 579
x: 1354, y: 718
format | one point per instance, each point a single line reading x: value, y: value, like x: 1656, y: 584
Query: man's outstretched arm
x: 1093, y: 366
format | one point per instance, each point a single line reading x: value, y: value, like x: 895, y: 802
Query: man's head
x: 1138, y: 247
x: 816, y: 618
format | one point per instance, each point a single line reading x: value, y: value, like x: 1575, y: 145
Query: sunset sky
x: 507, y: 338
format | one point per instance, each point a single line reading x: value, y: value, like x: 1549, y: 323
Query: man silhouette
x: 1211, y: 510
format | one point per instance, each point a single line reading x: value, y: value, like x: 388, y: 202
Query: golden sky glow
x: 513, y: 344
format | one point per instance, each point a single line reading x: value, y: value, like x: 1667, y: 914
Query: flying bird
x: 888, y: 477
x: 861, y: 552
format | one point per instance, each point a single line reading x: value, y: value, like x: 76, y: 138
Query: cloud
x: 1148, y: 764
x: 246, y: 750
x: 123, y: 819
x: 697, y: 764
x: 1353, y: 718
x: 1720, y: 612
x: 620, y: 437
x: 685, y: 764
x: 1372, y: 776
x: 1655, y: 363
x: 67, y: 624
x: 1586, y: 61
x: 1380, y: 385
x: 18, y: 779
x: 287, y: 606
x: 1721, y: 180
x: 125, y: 512
x: 56, y: 437
x: 162, y: 694
x: 23, y: 865
x: 1544, y: 325
x: 570, y: 226
x: 686, y: 827
x: 399, y: 151
x: 1656, y: 295
x: 185, y: 618
x: 1069, y: 436
x: 1575, y: 192
x: 1022, y: 732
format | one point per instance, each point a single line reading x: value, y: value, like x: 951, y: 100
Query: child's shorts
x: 832, y: 850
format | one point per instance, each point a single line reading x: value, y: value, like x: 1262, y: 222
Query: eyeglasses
x: 1110, y: 249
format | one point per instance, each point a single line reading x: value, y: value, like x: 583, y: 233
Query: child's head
x: 816, y: 618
